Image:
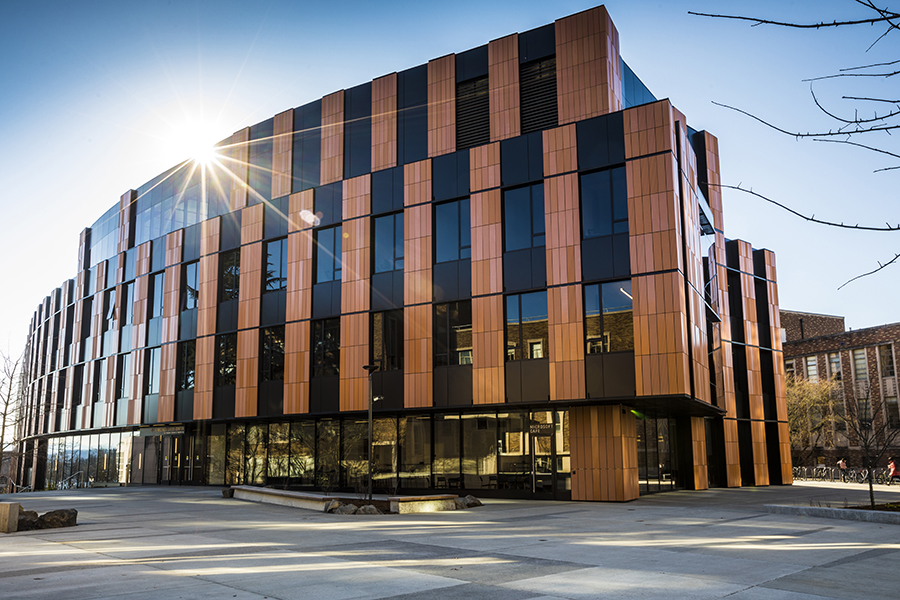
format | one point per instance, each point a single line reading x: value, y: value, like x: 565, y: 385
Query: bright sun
x: 193, y: 140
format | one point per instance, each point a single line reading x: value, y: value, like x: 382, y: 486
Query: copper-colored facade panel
x: 611, y: 473
x: 503, y: 92
x: 588, y: 70
x: 384, y: 122
x: 171, y: 304
x: 354, y: 390
x: 296, y: 367
x: 332, y: 137
x: 418, y: 380
x: 484, y: 169
x: 167, y: 376
x: 247, y: 376
x: 566, y: 347
x: 417, y: 229
x: 488, y: 350
x: 250, y: 288
x: 560, y: 150
x: 487, y: 243
x: 282, y: 153
x: 698, y: 449
x: 563, y: 229
x: 442, y: 105
x: 204, y: 376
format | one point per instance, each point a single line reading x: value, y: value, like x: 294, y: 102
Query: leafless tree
x: 11, y: 414
x: 866, y: 124
x: 813, y: 410
x: 872, y: 431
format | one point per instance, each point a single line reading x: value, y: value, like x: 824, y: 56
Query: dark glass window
x: 522, y: 159
x: 151, y: 375
x: 229, y: 275
x: 190, y: 286
x: 609, y: 321
x: 276, y: 265
x: 389, y: 243
x: 526, y: 326
x: 123, y: 377
x: 226, y: 359
x: 387, y: 190
x: 358, y: 130
x: 523, y: 220
x: 387, y: 339
x: 328, y: 254
x: 260, y: 158
x: 326, y: 346
x: 307, y: 146
x: 453, y: 333
x: 157, y: 294
x: 271, y: 363
x: 187, y: 358
x: 604, y: 203
x: 453, y: 233
x: 412, y: 115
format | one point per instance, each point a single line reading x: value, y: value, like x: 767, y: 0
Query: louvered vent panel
x: 473, y: 115
x: 537, y: 84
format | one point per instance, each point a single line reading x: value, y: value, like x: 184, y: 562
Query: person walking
x: 893, y: 471
x: 842, y: 465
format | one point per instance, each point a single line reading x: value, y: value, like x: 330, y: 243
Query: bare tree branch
x: 880, y: 267
x: 849, y: 143
x: 811, y: 219
x: 870, y: 99
x: 819, y: 25
x: 797, y: 134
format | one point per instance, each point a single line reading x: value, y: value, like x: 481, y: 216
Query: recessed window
x: 187, y: 358
x: 389, y: 243
x: 886, y: 358
x: 151, y: 375
x: 157, y: 294
x: 226, y: 359
x: 229, y: 275
x: 523, y: 220
x: 271, y: 358
x: 387, y: 339
x: 812, y: 369
x: 526, y: 326
x: 190, y: 286
x: 834, y: 365
x: 328, y: 254
x: 276, y: 266
x: 453, y: 333
x: 860, y: 367
x: 453, y: 234
x: 604, y: 203
x: 326, y: 347
x: 609, y: 317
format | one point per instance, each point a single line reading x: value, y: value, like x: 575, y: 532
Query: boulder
x: 346, y: 509
x: 333, y: 505
x: 461, y: 503
x: 228, y: 493
x: 472, y: 501
x: 58, y: 518
x: 368, y: 509
x: 28, y: 520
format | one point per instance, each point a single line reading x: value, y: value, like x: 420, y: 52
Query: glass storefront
x: 515, y: 453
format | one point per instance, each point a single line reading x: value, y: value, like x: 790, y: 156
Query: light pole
x: 371, y: 369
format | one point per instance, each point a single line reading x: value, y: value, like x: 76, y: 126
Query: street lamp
x: 371, y: 369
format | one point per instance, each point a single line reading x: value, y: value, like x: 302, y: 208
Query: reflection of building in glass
x: 526, y: 241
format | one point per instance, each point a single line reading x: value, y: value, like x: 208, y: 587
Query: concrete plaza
x: 189, y: 542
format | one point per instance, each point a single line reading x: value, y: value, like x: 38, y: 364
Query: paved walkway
x: 189, y: 542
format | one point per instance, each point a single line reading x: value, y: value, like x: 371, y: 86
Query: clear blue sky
x: 96, y: 96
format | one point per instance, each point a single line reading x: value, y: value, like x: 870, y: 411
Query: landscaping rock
x: 346, y: 509
x: 333, y: 505
x: 472, y: 501
x: 58, y: 518
x: 368, y: 509
x: 28, y: 520
x: 228, y: 493
x: 461, y: 503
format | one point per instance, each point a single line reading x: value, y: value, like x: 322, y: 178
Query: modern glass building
x: 526, y: 242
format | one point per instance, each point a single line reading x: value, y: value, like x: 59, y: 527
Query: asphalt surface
x: 189, y: 542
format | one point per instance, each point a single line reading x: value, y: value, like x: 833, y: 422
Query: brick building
x: 863, y: 361
x: 522, y: 238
